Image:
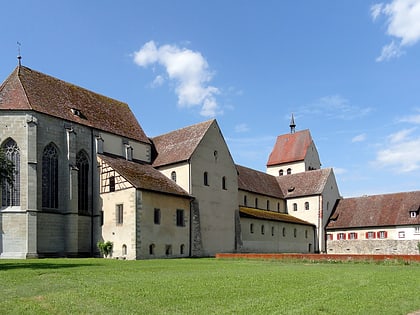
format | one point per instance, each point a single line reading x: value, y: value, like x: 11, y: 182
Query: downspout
x: 191, y: 206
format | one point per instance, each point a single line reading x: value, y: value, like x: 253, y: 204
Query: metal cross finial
x: 19, y: 57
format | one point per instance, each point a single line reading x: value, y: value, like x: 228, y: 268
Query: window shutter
x: 367, y: 235
x: 386, y: 234
x: 378, y: 234
x: 355, y: 236
x: 338, y: 236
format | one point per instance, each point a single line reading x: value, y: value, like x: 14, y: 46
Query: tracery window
x: 11, y: 191
x: 82, y: 163
x: 50, y: 177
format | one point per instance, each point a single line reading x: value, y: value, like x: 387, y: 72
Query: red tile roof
x: 258, y: 182
x: 378, y: 210
x: 179, y: 145
x: 143, y: 176
x: 304, y: 184
x: 270, y: 215
x: 290, y: 147
x: 26, y: 89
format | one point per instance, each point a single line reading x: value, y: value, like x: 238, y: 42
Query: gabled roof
x: 304, y: 183
x: 26, y: 89
x: 270, y: 215
x: 179, y: 145
x: 291, y: 147
x: 258, y: 182
x: 378, y: 210
x: 144, y: 176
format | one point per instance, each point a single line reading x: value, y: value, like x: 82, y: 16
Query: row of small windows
x: 369, y: 235
x: 168, y: 249
x: 119, y: 216
x: 354, y: 235
x: 288, y: 172
x: 295, y: 206
x: 256, y: 203
x: 252, y: 230
x: 205, y: 179
x: 11, y: 191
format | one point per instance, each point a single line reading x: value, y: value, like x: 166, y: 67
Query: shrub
x: 105, y: 248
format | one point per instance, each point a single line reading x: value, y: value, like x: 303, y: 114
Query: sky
x: 349, y: 71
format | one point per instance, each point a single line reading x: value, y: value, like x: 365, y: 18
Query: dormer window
x: 78, y: 113
x: 413, y: 214
x: 128, y: 152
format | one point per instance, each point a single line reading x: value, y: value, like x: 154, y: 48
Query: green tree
x: 7, y: 169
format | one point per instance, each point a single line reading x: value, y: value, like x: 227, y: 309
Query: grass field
x: 206, y: 286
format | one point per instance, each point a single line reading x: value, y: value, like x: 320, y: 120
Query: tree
x: 7, y: 169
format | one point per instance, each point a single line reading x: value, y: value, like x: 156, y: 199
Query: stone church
x: 87, y: 172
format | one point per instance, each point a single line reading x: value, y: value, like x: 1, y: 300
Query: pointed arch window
x: 50, y: 177
x: 11, y: 191
x: 206, y: 179
x: 82, y: 163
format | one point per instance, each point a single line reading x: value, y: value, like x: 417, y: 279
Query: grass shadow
x: 43, y: 265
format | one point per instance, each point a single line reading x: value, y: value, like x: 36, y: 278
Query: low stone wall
x: 385, y: 247
x: 319, y: 257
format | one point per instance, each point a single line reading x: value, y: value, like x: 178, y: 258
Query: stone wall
x: 383, y: 246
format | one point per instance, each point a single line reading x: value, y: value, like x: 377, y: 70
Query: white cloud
x: 390, y: 51
x: 241, y: 128
x: 402, y: 152
x: 359, y: 138
x: 333, y: 106
x: 414, y: 119
x: 188, y: 69
x: 401, y: 135
x: 403, y: 23
x: 339, y: 170
x: 158, y: 81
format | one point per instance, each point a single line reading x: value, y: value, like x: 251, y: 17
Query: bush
x: 105, y: 248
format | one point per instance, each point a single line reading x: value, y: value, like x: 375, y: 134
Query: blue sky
x: 348, y: 70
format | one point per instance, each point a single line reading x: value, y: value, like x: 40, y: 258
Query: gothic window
x: 50, y: 177
x: 82, y: 164
x: 11, y: 191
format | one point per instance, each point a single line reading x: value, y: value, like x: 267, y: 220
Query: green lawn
x: 206, y: 286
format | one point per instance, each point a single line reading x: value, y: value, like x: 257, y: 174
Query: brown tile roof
x: 144, y: 176
x: 304, y: 183
x: 377, y: 210
x: 258, y: 182
x: 270, y: 215
x: 290, y: 148
x: 179, y: 145
x: 26, y: 89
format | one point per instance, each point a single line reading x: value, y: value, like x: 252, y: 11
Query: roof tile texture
x: 179, y: 145
x: 305, y: 183
x: 143, y: 176
x: 270, y: 215
x: 290, y: 147
x: 377, y: 210
x: 26, y: 89
x: 258, y: 182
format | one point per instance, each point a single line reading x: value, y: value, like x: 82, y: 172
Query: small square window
x: 401, y: 234
x: 417, y: 230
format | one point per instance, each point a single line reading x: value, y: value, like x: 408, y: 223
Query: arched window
x: 124, y: 250
x: 281, y: 173
x: 11, y: 191
x: 284, y: 232
x: 206, y: 179
x: 272, y: 231
x: 294, y: 232
x: 245, y: 201
x: 82, y: 164
x: 268, y: 204
x: 289, y: 171
x: 173, y: 176
x: 182, y: 249
x: 50, y: 177
x: 251, y: 228
x: 295, y: 207
x: 262, y: 229
x: 224, y: 183
x: 256, y: 202
x: 306, y: 205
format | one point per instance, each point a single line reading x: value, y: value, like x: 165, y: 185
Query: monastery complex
x: 87, y: 172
